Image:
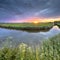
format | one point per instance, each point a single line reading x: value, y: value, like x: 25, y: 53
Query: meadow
x: 27, y: 26
x: 48, y: 50
x: 30, y: 25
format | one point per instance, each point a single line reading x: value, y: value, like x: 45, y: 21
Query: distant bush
x: 48, y: 50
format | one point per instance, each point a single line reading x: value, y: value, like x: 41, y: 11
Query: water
x: 14, y: 37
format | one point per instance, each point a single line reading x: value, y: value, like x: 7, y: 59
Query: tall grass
x: 48, y: 50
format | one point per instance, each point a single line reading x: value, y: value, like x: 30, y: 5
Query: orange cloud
x: 42, y: 20
x: 37, y: 20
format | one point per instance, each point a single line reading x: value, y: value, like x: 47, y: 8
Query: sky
x: 29, y: 10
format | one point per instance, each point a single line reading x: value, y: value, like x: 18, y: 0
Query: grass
x: 30, y: 27
x: 48, y: 50
x: 26, y: 24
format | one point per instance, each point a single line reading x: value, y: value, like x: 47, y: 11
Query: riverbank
x: 28, y: 29
x: 48, y: 50
x: 28, y: 26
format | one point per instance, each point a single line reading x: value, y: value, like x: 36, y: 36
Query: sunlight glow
x: 36, y: 22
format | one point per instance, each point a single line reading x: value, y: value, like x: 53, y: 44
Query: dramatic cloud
x: 21, y: 9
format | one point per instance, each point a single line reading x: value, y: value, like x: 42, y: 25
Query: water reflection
x: 14, y: 37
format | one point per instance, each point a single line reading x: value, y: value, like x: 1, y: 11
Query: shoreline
x: 29, y: 29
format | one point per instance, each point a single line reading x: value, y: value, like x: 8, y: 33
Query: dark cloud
x: 14, y: 9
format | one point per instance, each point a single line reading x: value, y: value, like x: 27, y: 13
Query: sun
x: 36, y: 22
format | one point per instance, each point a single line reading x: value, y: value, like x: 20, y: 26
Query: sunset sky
x: 29, y: 10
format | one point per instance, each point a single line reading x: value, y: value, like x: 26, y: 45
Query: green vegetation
x: 26, y: 24
x: 46, y: 24
x: 48, y: 50
x: 30, y: 27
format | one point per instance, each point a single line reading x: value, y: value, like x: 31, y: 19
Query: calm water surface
x: 15, y: 37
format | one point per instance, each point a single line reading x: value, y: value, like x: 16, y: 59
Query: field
x: 26, y: 24
x: 48, y: 24
x: 48, y: 50
x: 30, y: 27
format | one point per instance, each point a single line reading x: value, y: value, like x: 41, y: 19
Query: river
x: 12, y: 38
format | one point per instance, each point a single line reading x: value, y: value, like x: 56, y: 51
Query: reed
x: 48, y: 50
